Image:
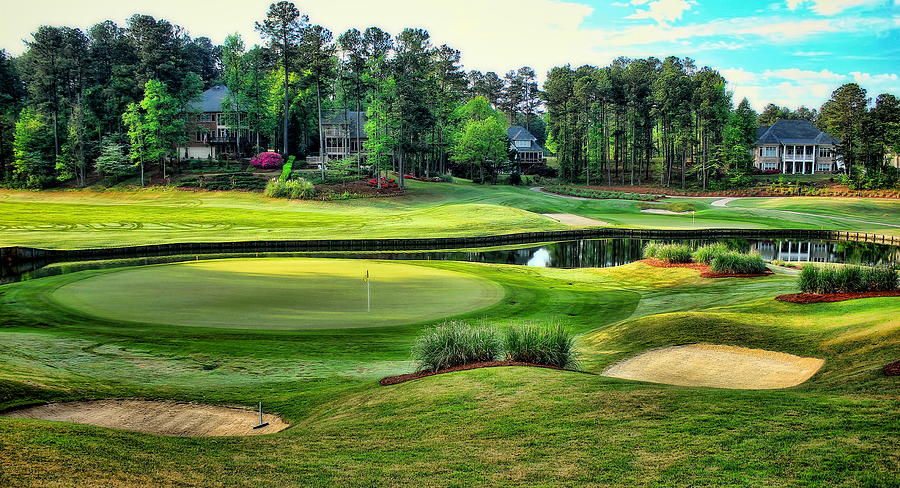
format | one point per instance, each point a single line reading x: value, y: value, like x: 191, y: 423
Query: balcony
x: 798, y: 158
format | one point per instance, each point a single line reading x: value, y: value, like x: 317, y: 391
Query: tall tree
x: 284, y: 26
x: 321, y: 65
x: 843, y: 116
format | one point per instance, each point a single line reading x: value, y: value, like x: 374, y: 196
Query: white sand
x: 717, y: 366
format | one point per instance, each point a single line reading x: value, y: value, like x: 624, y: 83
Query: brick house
x: 211, y: 132
x: 795, y: 147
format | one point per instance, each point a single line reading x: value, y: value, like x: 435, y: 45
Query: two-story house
x: 211, y: 131
x: 524, y: 145
x: 795, y: 147
x: 345, y: 134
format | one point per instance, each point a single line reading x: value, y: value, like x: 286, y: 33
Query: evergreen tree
x: 843, y: 116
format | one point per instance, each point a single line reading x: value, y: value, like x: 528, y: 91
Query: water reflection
x: 591, y: 253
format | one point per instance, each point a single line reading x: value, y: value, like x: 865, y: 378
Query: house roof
x: 793, y: 132
x: 346, y: 116
x: 519, y: 133
x: 211, y: 99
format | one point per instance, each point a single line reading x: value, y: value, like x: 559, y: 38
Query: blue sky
x: 789, y: 52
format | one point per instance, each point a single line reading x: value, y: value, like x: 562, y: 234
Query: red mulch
x: 403, y: 378
x: 834, y: 297
x: 705, y: 271
x: 892, y: 369
x: 360, y: 188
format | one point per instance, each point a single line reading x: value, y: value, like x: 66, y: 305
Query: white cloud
x: 794, y: 87
x: 662, y: 11
x: 831, y: 7
x: 811, y: 53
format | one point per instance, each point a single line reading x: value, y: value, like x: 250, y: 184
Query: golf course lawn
x: 120, y: 217
x: 278, y: 294
x: 487, y: 427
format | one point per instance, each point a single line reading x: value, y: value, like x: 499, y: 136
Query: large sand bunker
x: 575, y: 220
x: 164, y: 418
x: 717, y: 366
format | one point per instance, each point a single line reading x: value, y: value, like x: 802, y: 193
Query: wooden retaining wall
x: 28, y: 253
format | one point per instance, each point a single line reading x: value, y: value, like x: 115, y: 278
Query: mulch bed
x: 359, y: 188
x: 704, y: 269
x: 403, y: 378
x: 834, y: 297
x: 892, y: 369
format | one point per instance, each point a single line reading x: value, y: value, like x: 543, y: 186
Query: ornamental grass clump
x: 738, y: 263
x: 550, y: 346
x: 847, y: 279
x: 706, y: 254
x: 296, y: 189
x: 455, y: 344
x: 673, y: 253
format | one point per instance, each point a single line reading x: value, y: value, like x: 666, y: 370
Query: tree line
x: 115, y: 99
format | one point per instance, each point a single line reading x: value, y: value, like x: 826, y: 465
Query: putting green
x: 283, y: 293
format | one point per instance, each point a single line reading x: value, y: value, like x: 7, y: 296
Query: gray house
x: 525, y: 146
x: 795, y: 147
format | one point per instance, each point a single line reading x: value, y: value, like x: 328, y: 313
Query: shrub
x: 267, y: 160
x: 847, y: 279
x: 454, y: 344
x: 551, y: 346
x: 706, y: 254
x: 286, y: 169
x: 673, y: 253
x: 650, y: 250
x: 577, y: 191
x: 291, y: 189
x: 738, y: 263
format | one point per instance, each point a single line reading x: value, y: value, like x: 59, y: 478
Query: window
x: 823, y: 167
x: 223, y: 133
x: 523, y: 143
x: 760, y: 152
x: 205, y: 117
x: 770, y: 165
x: 824, y: 152
x: 200, y: 137
x: 771, y: 152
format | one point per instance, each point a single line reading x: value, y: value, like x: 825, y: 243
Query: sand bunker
x: 717, y: 366
x: 662, y: 211
x: 575, y: 220
x: 164, y: 418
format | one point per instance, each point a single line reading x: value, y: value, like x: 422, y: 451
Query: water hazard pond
x: 583, y: 253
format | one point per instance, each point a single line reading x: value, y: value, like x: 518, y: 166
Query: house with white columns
x: 795, y: 147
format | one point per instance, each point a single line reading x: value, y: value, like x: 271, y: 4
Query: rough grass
x: 499, y: 426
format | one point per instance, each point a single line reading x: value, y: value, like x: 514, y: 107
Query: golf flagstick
x: 368, y: 293
x: 261, y: 423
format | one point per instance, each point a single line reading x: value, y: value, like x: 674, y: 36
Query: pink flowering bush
x: 267, y: 160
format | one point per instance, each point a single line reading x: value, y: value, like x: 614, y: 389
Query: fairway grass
x: 506, y: 427
x: 279, y: 294
x: 85, y: 219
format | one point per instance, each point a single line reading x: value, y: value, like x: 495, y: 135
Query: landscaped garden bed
x: 834, y: 297
x: 892, y: 369
x: 599, y: 194
x: 403, y: 378
x: 713, y: 261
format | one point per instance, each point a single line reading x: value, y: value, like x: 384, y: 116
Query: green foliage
x: 295, y: 189
x: 673, y: 253
x: 706, y: 254
x: 846, y: 279
x: 113, y: 161
x: 879, y: 178
x: 578, y: 191
x: 479, y: 139
x: 32, y: 150
x: 454, y: 344
x: 224, y: 182
x: 738, y: 263
x: 548, y: 345
x: 286, y: 170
